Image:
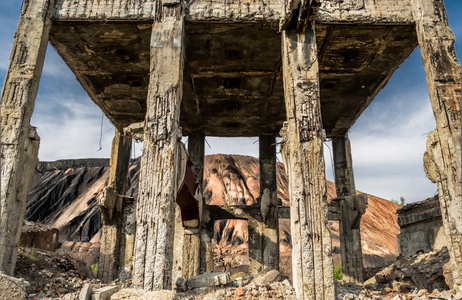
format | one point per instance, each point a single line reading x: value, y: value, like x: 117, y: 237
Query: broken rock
x: 104, y: 293
x: 13, y: 288
x: 85, y: 292
x: 181, y: 284
x: 209, y: 279
x: 267, y: 277
x: 135, y: 294
x: 39, y: 236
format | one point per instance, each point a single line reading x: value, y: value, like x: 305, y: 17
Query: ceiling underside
x: 232, y: 76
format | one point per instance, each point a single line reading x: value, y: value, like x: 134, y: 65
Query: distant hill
x: 64, y: 195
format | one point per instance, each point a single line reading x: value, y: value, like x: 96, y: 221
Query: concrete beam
x: 333, y: 11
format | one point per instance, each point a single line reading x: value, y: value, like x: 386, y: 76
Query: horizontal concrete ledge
x: 240, y: 11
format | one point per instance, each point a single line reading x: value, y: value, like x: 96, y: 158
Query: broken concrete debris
x: 209, y: 279
x: 134, y: 294
x: 104, y: 293
x: 266, y: 277
x: 421, y: 226
x: 13, y: 288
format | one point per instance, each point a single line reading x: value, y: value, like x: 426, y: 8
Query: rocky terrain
x: 64, y: 196
x: 50, y: 275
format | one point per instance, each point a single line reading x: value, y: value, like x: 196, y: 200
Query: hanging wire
x: 101, y: 133
x: 207, y: 143
x: 255, y: 141
x: 101, y: 28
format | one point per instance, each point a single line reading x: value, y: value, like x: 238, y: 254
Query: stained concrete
x: 233, y: 81
x: 421, y: 227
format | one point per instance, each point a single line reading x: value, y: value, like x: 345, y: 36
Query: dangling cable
x: 101, y: 133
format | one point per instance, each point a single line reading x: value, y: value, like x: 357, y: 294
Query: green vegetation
x: 401, y: 202
x: 94, y: 267
x: 338, y: 272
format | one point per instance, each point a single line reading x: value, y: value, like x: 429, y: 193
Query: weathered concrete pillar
x: 155, y: 212
x: 111, y: 206
x: 14, y: 217
x: 191, y: 238
x: 442, y: 160
x: 352, y: 207
x: 127, y: 239
x: 196, y: 143
x: 18, y: 99
x: 178, y: 242
x: 255, y: 229
x: 186, y: 256
x: 312, y: 268
x: 269, y: 201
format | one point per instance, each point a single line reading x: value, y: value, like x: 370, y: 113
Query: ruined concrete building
x: 421, y: 227
x: 232, y: 68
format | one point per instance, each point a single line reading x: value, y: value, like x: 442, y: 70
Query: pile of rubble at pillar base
x: 268, y: 284
x: 420, y: 276
x: 52, y: 275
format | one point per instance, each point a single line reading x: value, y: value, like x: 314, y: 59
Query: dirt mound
x: 64, y: 196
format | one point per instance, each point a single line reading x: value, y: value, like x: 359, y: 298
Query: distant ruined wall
x: 421, y: 227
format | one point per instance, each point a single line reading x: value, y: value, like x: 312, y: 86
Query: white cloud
x: 74, y: 132
x: 388, y: 145
x: 242, y: 146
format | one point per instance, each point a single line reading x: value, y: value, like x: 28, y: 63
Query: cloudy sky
x: 388, y: 140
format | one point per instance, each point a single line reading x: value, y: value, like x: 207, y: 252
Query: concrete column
x: 111, y: 206
x: 155, y: 213
x: 192, y: 241
x: 442, y: 160
x: 127, y: 239
x: 352, y: 207
x: 196, y: 150
x: 187, y: 234
x: 18, y: 99
x: 269, y: 201
x: 302, y: 150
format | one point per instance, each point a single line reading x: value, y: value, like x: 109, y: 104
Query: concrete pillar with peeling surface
x: 18, y: 100
x: 269, y: 201
x: 187, y: 233
x: 302, y: 150
x: 442, y: 159
x: 352, y: 207
x: 155, y: 213
x: 192, y: 242
x: 111, y: 206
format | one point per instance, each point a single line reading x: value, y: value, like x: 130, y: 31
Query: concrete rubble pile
x: 420, y: 276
